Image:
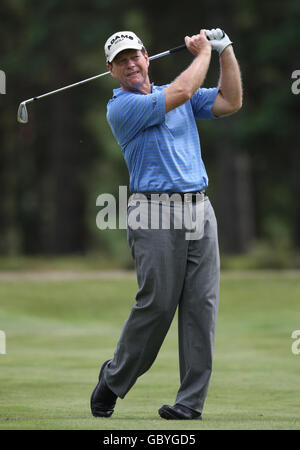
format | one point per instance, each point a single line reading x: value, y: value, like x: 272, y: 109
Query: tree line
x: 53, y: 168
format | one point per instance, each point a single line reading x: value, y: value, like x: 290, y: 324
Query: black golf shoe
x: 178, y: 412
x: 103, y: 400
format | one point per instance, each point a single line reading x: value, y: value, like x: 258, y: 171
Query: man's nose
x: 130, y: 62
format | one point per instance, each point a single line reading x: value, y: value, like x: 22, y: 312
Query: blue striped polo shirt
x: 162, y: 150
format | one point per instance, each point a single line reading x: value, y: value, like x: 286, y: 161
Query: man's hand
x: 186, y: 84
x: 218, y: 39
x: 198, y: 43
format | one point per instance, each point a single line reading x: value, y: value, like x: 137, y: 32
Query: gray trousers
x: 172, y: 271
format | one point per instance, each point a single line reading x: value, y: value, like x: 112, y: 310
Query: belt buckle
x: 188, y: 197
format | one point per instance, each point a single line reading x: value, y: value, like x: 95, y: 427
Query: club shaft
x: 66, y: 87
x: 87, y: 80
x: 22, y: 107
x: 168, y: 52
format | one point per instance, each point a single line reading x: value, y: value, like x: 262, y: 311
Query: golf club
x: 22, y: 115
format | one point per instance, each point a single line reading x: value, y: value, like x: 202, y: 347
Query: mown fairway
x: 59, y: 332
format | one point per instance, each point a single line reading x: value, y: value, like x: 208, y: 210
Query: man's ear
x: 110, y: 68
x: 147, y: 58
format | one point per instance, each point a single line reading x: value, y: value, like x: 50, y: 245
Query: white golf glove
x: 218, y: 39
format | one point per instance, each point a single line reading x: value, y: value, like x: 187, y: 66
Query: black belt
x: 184, y: 195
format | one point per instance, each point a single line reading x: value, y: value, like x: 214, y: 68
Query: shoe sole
x: 95, y: 412
x: 166, y: 413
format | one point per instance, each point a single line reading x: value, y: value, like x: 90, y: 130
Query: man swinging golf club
x: 156, y: 129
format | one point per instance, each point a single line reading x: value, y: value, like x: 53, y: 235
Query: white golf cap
x: 123, y: 40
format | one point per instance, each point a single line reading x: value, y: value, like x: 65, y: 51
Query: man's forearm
x: 230, y: 84
x: 186, y: 84
x: 193, y: 77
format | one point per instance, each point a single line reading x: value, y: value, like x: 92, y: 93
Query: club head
x: 22, y: 116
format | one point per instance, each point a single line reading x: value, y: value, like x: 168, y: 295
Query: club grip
x: 183, y: 47
x: 177, y: 49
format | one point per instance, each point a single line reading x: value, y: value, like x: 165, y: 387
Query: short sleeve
x: 129, y: 114
x: 202, y: 102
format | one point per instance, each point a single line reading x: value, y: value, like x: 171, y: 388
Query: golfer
x: 156, y: 129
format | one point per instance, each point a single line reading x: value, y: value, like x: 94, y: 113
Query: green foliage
x: 53, y: 168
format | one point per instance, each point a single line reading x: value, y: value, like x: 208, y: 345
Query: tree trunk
x: 68, y: 228
x: 234, y: 206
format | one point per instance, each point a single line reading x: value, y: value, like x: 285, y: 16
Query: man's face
x: 130, y: 68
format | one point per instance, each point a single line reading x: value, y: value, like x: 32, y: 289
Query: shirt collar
x: 119, y: 91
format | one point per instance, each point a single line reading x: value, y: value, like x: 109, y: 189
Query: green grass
x: 99, y: 261
x: 59, y: 333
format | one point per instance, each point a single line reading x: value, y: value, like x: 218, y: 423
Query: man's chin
x: 131, y: 86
